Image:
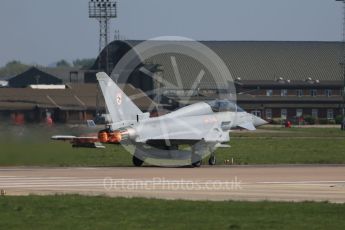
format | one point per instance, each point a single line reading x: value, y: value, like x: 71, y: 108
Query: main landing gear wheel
x: 212, y: 160
x: 137, y: 162
x: 196, y: 164
x: 196, y: 161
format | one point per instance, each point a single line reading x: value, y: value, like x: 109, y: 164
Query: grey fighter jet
x: 203, y: 126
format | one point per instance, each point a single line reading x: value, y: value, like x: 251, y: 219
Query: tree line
x: 15, y: 67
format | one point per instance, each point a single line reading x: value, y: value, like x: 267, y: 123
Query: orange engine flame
x: 115, y: 137
x: 103, y: 137
x: 110, y: 137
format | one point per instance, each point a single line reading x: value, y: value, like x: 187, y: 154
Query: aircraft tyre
x: 196, y: 161
x: 196, y: 164
x: 137, y: 162
x: 212, y: 160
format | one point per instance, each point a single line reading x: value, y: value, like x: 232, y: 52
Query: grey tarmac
x: 249, y: 183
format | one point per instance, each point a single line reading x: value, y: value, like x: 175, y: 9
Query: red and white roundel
x: 119, y: 99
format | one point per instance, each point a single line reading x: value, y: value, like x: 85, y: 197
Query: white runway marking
x: 302, y: 182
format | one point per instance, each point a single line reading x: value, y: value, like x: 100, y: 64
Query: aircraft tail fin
x: 119, y: 105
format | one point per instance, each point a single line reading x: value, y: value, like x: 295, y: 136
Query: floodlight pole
x: 103, y: 11
x: 343, y: 107
x: 343, y: 57
x: 343, y: 67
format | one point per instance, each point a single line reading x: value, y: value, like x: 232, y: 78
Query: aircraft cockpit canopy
x: 224, y: 106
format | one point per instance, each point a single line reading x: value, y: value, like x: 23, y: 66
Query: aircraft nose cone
x: 257, y: 121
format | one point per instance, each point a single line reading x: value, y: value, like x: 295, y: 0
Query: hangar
x: 33, y: 76
x: 274, y: 79
x: 47, y: 76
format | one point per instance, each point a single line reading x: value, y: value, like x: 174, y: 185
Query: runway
x: 250, y: 183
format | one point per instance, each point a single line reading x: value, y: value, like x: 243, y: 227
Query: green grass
x: 31, y: 146
x: 61, y: 154
x: 296, y: 132
x: 284, y: 151
x: 78, y: 212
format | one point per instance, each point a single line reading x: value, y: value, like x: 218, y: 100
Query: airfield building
x: 274, y: 80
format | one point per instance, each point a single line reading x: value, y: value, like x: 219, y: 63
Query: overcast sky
x: 45, y: 31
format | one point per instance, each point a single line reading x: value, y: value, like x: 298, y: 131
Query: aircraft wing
x: 180, y: 135
x: 182, y: 128
x: 247, y: 125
